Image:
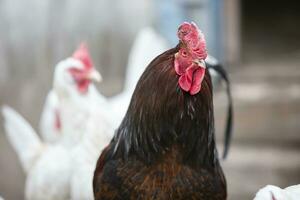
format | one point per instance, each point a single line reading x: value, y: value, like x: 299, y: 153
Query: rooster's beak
x: 94, y: 75
x: 200, y: 63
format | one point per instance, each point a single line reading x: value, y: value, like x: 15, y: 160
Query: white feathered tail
x: 22, y: 137
x: 147, y: 45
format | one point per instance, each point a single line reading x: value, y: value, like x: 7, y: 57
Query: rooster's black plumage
x: 165, y: 146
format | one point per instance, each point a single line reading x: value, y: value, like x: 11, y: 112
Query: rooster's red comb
x: 190, y: 35
x: 82, y: 54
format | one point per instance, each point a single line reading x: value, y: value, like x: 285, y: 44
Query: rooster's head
x: 189, y: 61
x: 77, y: 72
x: 167, y: 109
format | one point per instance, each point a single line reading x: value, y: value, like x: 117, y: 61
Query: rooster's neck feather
x: 161, y: 115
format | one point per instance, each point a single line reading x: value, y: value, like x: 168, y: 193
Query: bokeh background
x: 258, y: 42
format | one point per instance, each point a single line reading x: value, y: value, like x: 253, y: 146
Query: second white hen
x: 49, y: 167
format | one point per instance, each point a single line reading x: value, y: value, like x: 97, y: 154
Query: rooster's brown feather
x: 165, y: 146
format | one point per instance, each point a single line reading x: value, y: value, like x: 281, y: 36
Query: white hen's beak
x: 94, y: 75
x: 200, y: 63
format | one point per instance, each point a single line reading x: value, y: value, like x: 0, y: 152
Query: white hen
x: 271, y: 192
x: 147, y: 45
x: 50, y: 123
x: 49, y: 167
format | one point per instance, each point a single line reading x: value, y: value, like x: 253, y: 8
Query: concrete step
x: 264, y: 112
x: 250, y: 167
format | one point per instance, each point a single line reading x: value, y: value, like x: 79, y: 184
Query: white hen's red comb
x: 82, y: 54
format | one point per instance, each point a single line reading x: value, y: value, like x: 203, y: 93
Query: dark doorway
x: 270, y: 29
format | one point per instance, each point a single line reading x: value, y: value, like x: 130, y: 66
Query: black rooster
x: 165, y: 146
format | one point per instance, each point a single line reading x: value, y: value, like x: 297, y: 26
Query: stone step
x: 250, y: 167
x: 263, y: 113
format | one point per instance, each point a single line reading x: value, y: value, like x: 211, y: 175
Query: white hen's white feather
x: 100, y: 132
x: 48, y: 119
x: 290, y: 193
x: 49, y: 178
x: 48, y: 167
x: 22, y: 137
x: 294, y: 190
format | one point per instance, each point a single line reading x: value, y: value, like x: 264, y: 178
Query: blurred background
x: 258, y: 41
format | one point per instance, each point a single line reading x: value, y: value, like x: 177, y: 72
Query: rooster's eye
x: 184, y: 32
x: 184, y: 53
